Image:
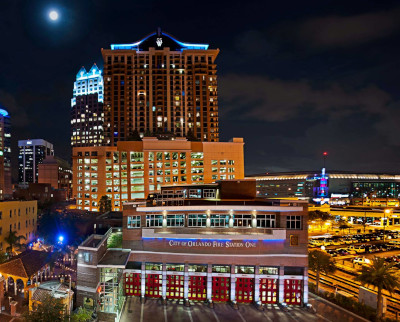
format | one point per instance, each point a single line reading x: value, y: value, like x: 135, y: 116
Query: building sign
x: 212, y: 243
x: 159, y: 42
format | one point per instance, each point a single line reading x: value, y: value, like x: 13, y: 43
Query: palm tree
x: 320, y: 262
x: 13, y: 240
x: 380, y: 275
x: 105, y: 204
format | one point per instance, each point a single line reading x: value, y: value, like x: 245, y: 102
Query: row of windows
x: 200, y: 220
x: 27, y: 210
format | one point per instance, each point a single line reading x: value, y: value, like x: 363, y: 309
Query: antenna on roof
x: 158, y: 31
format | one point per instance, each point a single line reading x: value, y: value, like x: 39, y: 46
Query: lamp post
x: 387, y: 212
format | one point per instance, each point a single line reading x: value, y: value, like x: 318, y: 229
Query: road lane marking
x: 165, y: 313
x: 216, y: 317
x: 141, y: 313
x: 241, y: 316
x: 267, y: 317
x: 190, y: 315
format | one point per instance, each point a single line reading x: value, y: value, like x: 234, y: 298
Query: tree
x: 190, y: 135
x: 134, y: 136
x: 320, y: 217
x: 320, y: 262
x: 13, y: 240
x: 105, y: 204
x: 380, y: 275
x: 82, y: 315
x: 49, y: 310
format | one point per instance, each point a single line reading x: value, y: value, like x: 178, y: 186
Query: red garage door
x: 175, y: 286
x: 268, y: 290
x: 221, y: 289
x: 133, y: 284
x: 293, y: 290
x: 244, y: 290
x: 197, y: 288
x: 153, y: 285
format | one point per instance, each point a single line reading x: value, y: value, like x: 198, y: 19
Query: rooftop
x: 115, y: 257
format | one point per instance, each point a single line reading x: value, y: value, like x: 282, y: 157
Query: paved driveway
x: 153, y: 311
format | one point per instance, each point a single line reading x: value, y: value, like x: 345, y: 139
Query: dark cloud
x: 335, y: 31
x: 276, y: 100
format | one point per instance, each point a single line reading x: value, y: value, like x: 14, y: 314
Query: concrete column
x: 6, y: 284
x: 41, y: 277
x: 164, y: 222
x: 164, y: 281
x: 208, y: 221
x: 233, y: 284
x: 254, y: 222
x: 13, y: 308
x: 230, y: 221
x: 256, y: 284
x: 15, y: 287
x: 143, y: 280
x: 209, y: 282
x: 281, y: 284
x: 305, y: 286
x: 186, y: 282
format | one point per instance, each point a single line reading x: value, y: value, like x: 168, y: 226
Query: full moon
x: 53, y: 15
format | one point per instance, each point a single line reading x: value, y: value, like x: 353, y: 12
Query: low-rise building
x: 19, y: 216
x: 58, y: 173
x: 55, y: 289
x: 217, y: 243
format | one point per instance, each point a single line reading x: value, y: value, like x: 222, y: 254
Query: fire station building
x: 213, y: 243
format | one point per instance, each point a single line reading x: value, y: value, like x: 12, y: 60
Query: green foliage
x: 320, y: 262
x: 134, y: 136
x: 50, y: 310
x: 82, y: 315
x: 105, y: 204
x: 13, y: 240
x: 115, y: 240
x: 381, y: 275
x: 3, y: 257
x: 319, y: 215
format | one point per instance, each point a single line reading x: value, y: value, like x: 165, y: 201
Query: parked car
x: 362, y: 261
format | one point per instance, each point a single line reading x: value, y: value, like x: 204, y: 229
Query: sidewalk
x: 331, y: 312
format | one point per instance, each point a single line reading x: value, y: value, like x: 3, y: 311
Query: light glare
x: 53, y: 15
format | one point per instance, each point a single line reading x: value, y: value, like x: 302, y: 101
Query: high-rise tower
x: 5, y: 155
x: 160, y: 85
x: 87, y: 108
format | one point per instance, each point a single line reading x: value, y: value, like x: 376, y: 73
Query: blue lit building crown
x: 159, y: 40
x: 90, y: 82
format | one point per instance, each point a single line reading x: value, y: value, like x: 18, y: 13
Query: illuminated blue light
x: 135, y: 46
x: 86, y: 83
x: 219, y: 240
x: 4, y: 113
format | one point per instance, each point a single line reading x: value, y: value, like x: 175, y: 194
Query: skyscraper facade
x: 87, y: 108
x: 31, y: 154
x: 5, y: 155
x: 160, y: 85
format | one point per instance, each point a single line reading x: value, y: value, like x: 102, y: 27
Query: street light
x: 387, y: 212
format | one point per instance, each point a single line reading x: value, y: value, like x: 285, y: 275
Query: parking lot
x: 153, y: 310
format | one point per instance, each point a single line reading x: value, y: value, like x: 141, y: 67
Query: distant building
x: 19, y: 216
x: 87, y: 115
x: 42, y: 192
x: 134, y: 169
x: 328, y: 186
x: 31, y: 154
x: 57, y: 172
x: 162, y: 86
x: 5, y: 155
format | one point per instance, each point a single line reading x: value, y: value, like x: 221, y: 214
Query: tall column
x: 209, y: 282
x: 186, y: 282
x: 305, y: 286
x: 281, y: 284
x: 15, y: 287
x: 256, y: 284
x: 233, y: 283
x: 143, y: 281
x: 7, y: 284
x: 164, y: 281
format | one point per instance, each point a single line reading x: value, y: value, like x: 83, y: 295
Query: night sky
x: 296, y: 78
